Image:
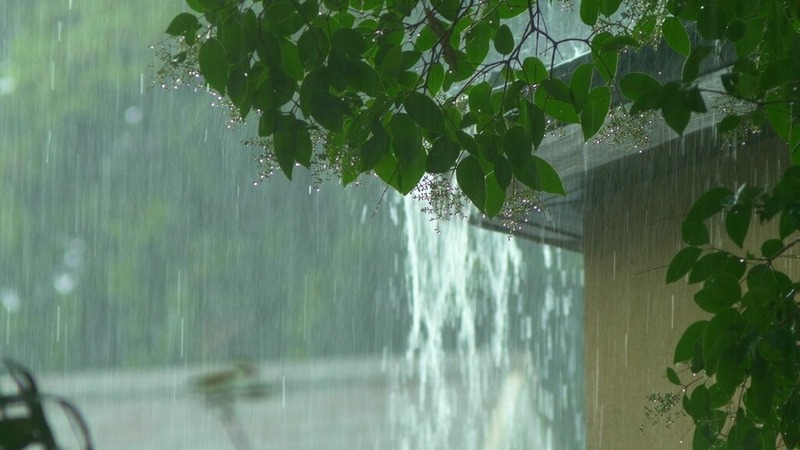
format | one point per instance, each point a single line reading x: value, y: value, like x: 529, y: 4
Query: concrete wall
x: 633, y: 320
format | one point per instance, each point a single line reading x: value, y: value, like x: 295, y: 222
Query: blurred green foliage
x: 131, y: 234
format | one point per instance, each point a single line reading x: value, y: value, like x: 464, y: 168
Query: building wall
x: 633, y: 320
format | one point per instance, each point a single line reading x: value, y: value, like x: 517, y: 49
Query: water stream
x: 467, y: 381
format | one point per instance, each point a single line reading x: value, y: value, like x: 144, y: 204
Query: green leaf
x: 470, y: 118
x: 284, y: 88
x: 676, y: 36
x: 617, y: 43
x: 237, y: 87
x: 182, y: 24
x: 649, y: 100
x: 508, y: 9
x: 691, y: 67
x: 589, y: 11
x: 758, y: 297
x: 771, y: 247
x: 557, y: 90
x: 504, y: 40
x: 495, y: 196
x: 644, y: 28
x: 737, y: 222
x: 579, y: 85
x: 363, y: 78
x: 391, y: 64
x: 426, y: 39
x: 736, y: 30
x: 710, y: 203
x: 536, y: 122
x: 729, y: 123
x: 752, y: 37
x: 595, y: 111
x: 290, y: 139
x: 479, y: 98
x: 411, y: 171
x: 468, y: 142
x: 309, y: 8
x: 503, y: 172
x: 447, y: 8
x: 211, y: 4
x: 609, y: 7
x: 303, y: 147
x: 313, y: 47
x: 682, y: 263
x: 762, y: 276
x: 557, y: 109
x: 442, y: 156
x: 406, y: 140
x: 693, y: 100
x: 693, y: 336
x: 719, y: 350
x: 268, y: 50
x: 213, y: 64
x: 196, y: 6
x: 685, y: 9
x: 266, y: 123
x: 701, y: 402
x: 758, y: 398
x: 526, y: 173
x: 720, y: 293
x: 712, y: 21
x: 349, y: 42
x: 374, y: 149
x: 636, y: 84
x: 672, y: 376
x: 722, y: 324
x: 605, y: 59
x: 549, y: 181
x: 533, y: 70
x: 477, y: 42
x: 728, y: 370
x: 788, y: 223
x: 231, y: 35
x: 290, y: 60
x: 675, y: 112
x: 281, y: 18
x: 694, y: 232
x: 328, y: 110
x: 735, y: 267
x: 470, y: 177
x: 517, y: 144
x: 708, y: 266
x: 424, y: 111
x: 435, y: 78
x: 779, y: 114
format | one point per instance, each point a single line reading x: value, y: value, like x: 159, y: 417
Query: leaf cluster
x: 405, y: 88
x: 409, y: 87
x: 763, y: 41
x: 749, y: 348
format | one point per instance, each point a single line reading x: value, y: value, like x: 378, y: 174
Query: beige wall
x: 633, y: 320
